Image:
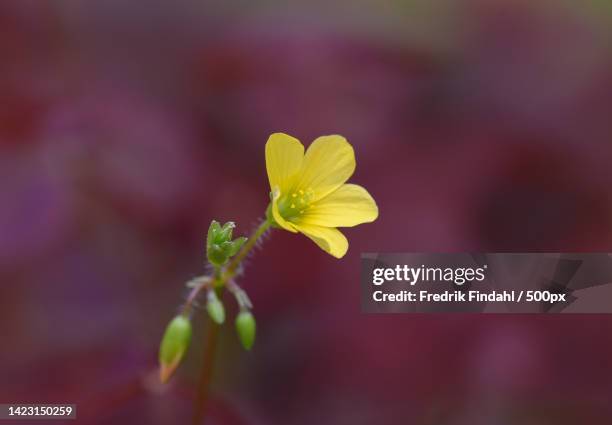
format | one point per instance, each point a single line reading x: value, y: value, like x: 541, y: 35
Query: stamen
x: 295, y: 203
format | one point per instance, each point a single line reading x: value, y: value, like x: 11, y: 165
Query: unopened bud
x: 219, y: 244
x: 215, y: 308
x: 217, y: 255
x: 226, y: 232
x: 236, y: 245
x: 213, y: 231
x: 174, y: 344
x: 245, y: 326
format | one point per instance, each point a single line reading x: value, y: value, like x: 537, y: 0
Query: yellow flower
x: 309, y: 194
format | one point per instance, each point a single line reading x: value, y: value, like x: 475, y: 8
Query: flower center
x: 295, y: 203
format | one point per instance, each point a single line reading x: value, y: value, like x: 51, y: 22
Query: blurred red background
x: 126, y: 128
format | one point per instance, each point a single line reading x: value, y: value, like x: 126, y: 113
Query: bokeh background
x: 125, y: 127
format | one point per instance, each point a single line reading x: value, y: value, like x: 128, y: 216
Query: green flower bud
x: 236, y: 245
x: 219, y: 245
x: 245, y: 326
x: 226, y: 232
x: 217, y: 255
x: 173, y: 346
x: 215, y: 308
x: 213, y: 231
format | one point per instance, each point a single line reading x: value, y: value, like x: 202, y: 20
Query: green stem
x: 221, y: 278
x: 232, y: 267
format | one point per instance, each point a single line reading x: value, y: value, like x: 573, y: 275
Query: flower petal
x: 276, y: 194
x: 284, y: 156
x: 328, y: 239
x: 328, y: 163
x: 348, y: 206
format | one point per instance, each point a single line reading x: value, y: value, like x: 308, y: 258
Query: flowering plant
x: 308, y: 195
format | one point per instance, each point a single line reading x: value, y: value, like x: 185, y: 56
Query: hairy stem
x: 198, y: 285
x: 220, y: 280
x: 233, y: 266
